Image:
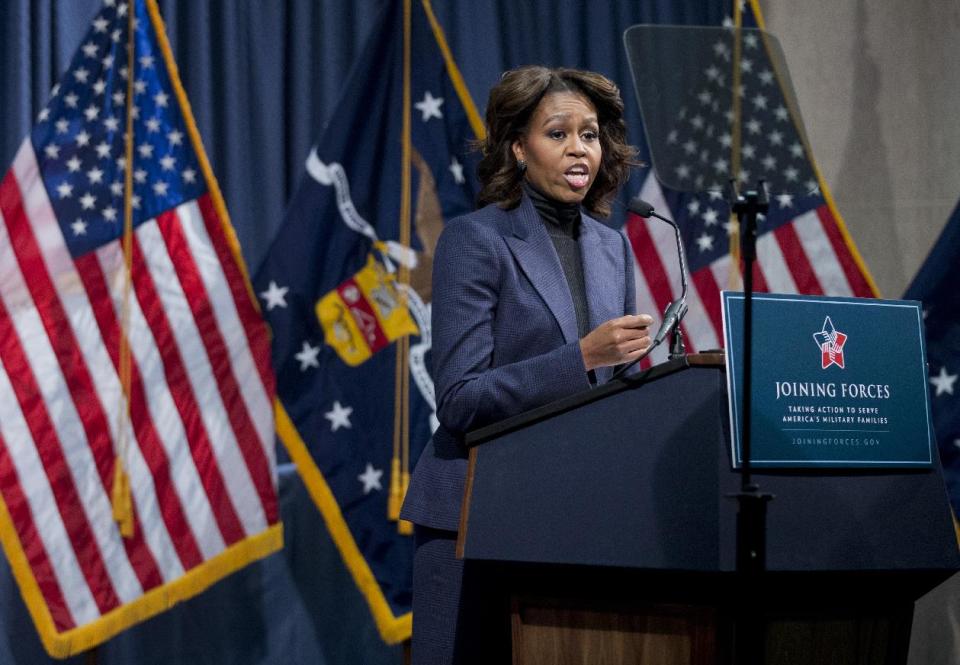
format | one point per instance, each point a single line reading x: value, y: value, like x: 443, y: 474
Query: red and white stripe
x: 200, y: 429
x: 809, y: 255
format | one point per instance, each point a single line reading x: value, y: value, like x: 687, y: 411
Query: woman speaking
x: 533, y: 300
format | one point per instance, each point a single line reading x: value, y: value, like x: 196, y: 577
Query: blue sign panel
x: 837, y: 382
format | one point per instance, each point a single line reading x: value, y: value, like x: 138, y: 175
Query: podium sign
x: 837, y: 382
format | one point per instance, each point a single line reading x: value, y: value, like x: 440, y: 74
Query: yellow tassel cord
x: 399, y: 464
x: 405, y: 528
x: 394, y: 499
x: 401, y: 378
x: 120, y: 497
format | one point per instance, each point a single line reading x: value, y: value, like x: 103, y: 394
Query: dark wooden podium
x: 602, y: 531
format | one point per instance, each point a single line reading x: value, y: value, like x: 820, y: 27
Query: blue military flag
x: 936, y: 286
x: 346, y: 289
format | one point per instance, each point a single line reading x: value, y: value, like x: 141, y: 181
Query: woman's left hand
x: 616, y: 341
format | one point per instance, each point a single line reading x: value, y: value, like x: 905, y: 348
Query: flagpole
x: 734, y: 280
x: 735, y: 89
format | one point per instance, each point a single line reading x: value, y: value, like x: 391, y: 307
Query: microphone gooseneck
x: 640, y: 207
x: 676, y: 310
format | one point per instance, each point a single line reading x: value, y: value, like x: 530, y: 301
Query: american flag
x: 802, y: 246
x: 199, y: 429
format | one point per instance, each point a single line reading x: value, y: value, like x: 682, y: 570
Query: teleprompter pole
x: 751, y: 502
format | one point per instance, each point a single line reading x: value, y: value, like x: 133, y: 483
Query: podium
x: 601, y: 527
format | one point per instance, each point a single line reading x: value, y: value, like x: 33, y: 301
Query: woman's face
x: 561, y: 146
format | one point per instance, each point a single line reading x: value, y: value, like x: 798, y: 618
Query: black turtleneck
x: 562, y: 221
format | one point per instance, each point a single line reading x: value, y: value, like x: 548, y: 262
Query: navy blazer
x: 505, y: 335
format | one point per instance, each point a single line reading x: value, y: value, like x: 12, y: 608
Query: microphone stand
x: 677, y: 348
x: 751, y: 502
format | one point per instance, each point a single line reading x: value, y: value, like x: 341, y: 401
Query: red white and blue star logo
x: 831, y: 341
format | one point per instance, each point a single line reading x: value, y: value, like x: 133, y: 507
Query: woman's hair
x: 511, y: 104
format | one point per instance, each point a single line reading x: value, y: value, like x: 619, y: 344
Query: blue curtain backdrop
x: 263, y: 77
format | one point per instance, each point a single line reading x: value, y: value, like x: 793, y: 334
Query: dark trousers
x: 458, y: 615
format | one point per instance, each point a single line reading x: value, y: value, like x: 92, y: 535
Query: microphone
x: 676, y: 310
x: 640, y: 207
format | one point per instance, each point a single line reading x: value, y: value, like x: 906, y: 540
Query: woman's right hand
x: 617, y: 341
